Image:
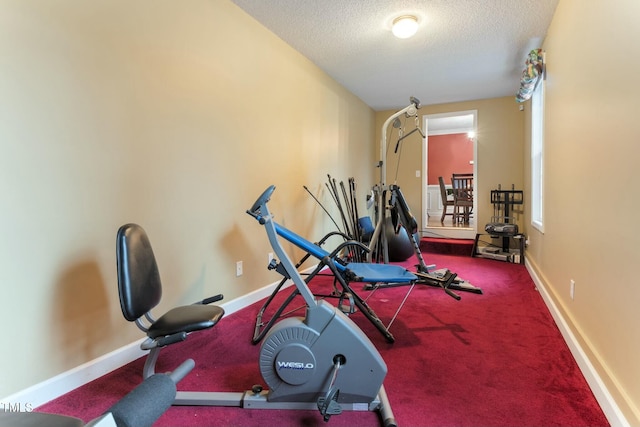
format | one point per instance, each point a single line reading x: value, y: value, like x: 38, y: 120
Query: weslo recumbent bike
x: 321, y: 361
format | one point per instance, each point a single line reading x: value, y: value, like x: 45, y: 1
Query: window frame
x: 537, y: 155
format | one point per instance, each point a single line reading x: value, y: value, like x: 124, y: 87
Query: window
x: 537, y: 156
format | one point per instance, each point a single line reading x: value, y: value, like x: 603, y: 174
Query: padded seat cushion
x: 373, y: 273
x: 187, y: 318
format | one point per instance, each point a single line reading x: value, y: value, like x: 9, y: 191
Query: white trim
x: 538, y: 226
x: 448, y: 232
x: 603, y: 396
x: 444, y: 231
x: 537, y: 150
x: 50, y: 389
x: 450, y: 131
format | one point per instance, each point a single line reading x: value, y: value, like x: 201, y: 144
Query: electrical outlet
x: 270, y: 255
x: 238, y: 268
x: 572, y: 288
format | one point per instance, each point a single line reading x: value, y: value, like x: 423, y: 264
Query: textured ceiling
x: 464, y: 49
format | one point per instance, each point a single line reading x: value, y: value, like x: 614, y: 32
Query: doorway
x: 458, y: 127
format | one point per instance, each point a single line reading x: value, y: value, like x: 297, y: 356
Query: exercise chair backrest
x: 313, y: 249
x: 139, y: 283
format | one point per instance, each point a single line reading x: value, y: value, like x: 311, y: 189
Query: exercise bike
x: 320, y: 362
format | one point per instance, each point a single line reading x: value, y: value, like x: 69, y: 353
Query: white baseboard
x: 65, y: 382
x: 52, y: 388
x: 603, y: 396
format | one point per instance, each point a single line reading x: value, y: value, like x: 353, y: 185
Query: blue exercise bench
x: 344, y: 273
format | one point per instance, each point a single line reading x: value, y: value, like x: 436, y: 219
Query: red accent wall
x: 449, y: 154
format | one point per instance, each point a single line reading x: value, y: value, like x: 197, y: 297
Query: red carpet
x: 488, y: 360
x: 439, y: 245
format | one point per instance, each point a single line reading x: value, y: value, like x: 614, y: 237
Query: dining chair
x: 446, y: 201
x: 462, y: 184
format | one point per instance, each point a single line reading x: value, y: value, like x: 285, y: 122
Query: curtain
x: 532, y: 73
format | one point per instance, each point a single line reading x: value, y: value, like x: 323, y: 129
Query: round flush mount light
x: 404, y: 26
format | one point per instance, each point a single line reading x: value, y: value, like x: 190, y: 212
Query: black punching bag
x: 399, y: 244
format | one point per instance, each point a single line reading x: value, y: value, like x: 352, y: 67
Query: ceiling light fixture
x: 404, y: 26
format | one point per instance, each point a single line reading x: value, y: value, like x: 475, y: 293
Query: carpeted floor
x: 440, y: 245
x: 495, y: 359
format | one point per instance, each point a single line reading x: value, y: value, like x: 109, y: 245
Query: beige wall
x: 591, y: 209
x: 173, y: 115
x: 500, y: 148
x: 177, y: 117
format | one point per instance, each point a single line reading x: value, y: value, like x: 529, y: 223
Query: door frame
x: 448, y: 231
